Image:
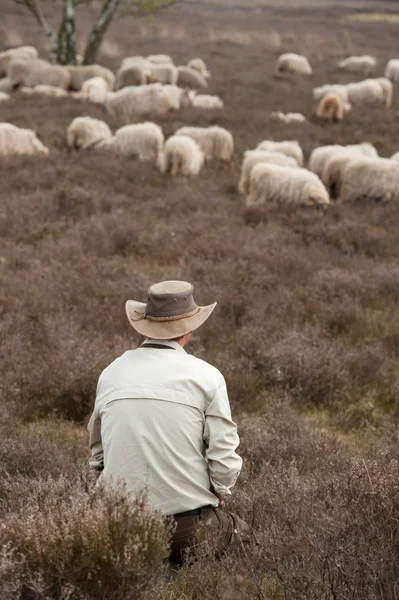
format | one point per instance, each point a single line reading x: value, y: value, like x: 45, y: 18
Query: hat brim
x: 165, y: 330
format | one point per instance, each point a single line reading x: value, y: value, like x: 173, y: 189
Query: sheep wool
x: 204, y: 101
x: 320, y: 156
x: 14, y: 140
x: 81, y: 73
x: 45, y: 90
x: 365, y: 93
x: 144, y: 140
x: 133, y: 74
x: 392, y: 69
x: 387, y: 90
x: 132, y: 102
x: 182, y: 156
x: 5, y: 85
x: 361, y: 65
x: 19, y: 70
x: 23, y: 53
x: 288, y: 118
x: 160, y: 59
x: 199, y: 65
x: 293, y: 63
x: 94, y: 90
x: 254, y: 157
x: 85, y: 132
x: 282, y: 185
x: 215, y: 142
x: 336, y: 88
x: 289, y: 148
x: 50, y: 75
x: 4, y: 97
x: 177, y: 96
x: 164, y: 73
x: 331, y: 108
x: 395, y: 156
x: 371, y: 179
x: 188, y: 77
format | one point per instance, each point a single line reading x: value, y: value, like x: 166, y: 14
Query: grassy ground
x: 306, y: 331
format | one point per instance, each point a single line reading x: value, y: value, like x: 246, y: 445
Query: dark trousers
x: 230, y: 531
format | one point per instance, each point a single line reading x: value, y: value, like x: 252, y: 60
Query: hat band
x: 175, y: 317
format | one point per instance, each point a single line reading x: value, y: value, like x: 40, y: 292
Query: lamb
x: 23, y: 53
x: 289, y: 148
x: 163, y: 73
x: 133, y: 74
x: 5, y: 85
x: 94, y: 90
x: 204, y: 101
x: 254, y: 157
x: 53, y: 75
x: 320, y: 156
x: 362, y: 65
x: 160, y: 59
x: 283, y: 185
x: 14, y: 140
x: 392, y: 69
x: 4, y: 97
x: 144, y: 140
x: 199, y: 65
x: 81, y: 73
x: 45, y: 90
x: 85, y: 132
x: 336, y: 88
x: 387, y: 90
x: 293, y: 63
x: 215, y: 142
x: 182, y: 155
x: 288, y: 118
x: 368, y: 92
x: 331, y: 108
x: 371, y: 179
x: 188, y: 77
x: 136, y: 102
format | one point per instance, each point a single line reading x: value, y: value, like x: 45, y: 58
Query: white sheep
x: 23, y: 52
x: 45, y: 90
x: 160, y: 59
x: 133, y: 74
x: 205, y: 101
x: 4, y: 97
x: 331, y: 108
x: 362, y: 65
x: 254, y: 157
x: 293, y: 63
x: 94, y: 90
x: 133, y: 102
x: 14, y: 140
x: 283, y: 185
x: 133, y: 60
x: 336, y: 88
x: 86, y: 132
x: 81, y: 73
x: 38, y: 72
x: 163, y: 73
x: 335, y: 166
x: 5, y: 85
x: 371, y: 179
x: 199, y: 65
x: 289, y: 148
x: 387, y: 90
x: 366, y: 93
x: 288, y: 118
x: 215, y: 142
x: 19, y: 70
x: 392, y: 69
x: 177, y: 96
x: 188, y: 77
x: 144, y: 140
x: 182, y: 156
x: 320, y: 156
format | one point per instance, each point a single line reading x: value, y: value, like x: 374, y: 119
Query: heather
x: 306, y: 330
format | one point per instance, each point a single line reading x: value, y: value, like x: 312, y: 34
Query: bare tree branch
x: 34, y: 8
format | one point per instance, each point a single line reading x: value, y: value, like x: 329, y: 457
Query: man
x: 162, y: 421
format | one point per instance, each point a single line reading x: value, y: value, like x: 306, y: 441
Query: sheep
x: 188, y: 77
x: 4, y: 97
x: 94, y: 90
x: 85, y: 132
x: 289, y: 148
x: 288, y: 118
x: 144, y: 140
x: 14, y: 140
x: 331, y: 108
x: 392, y: 69
x: 204, y: 101
x: 283, y: 185
x: 133, y: 74
x: 293, y: 63
x: 19, y: 70
x: 138, y: 101
x: 371, y: 179
x: 23, y: 53
x: 215, y: 142
x: 387, y: 90
x: 164, y: 73
x: 364, y: 65
x: 182, y: 155
x: 53, y: 75
x: 336, y: 88
x: 45, y: 90
x: 5, y: 85
x: 160, y: 59
x: 320, y: 156
x: 336, y: 165
x: 199, y: 65
x: 368, y: 92
x: 254, y: 157
x: 81, y: 73
x: 177, y: 96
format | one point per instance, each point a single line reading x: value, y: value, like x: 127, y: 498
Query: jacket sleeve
x: 221, y: 440
x: 96, y: 447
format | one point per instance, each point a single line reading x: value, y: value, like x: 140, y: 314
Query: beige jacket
x: 162, y: 421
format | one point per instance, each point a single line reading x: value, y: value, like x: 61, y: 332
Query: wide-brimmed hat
x: 170, y: 311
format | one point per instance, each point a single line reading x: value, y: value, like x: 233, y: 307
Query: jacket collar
x: 169, y: 343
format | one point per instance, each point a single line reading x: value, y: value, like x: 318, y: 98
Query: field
x: 306, y: 330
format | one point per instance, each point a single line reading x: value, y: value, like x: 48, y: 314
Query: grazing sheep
x: 160, y: 59
x: 387, y: 90
x: 289, y: 148
x: 182, y: 156
x: 133, y: 102
x: 4, y: 97
x: 144, y: 140
x: 288, y: 118
x: 81, y: 73
x: 199, y: 65
x: 320, y: 156
x: 283, y: 185
x: 20, y: 69
x: 23, y: 53
x: 85, y: 132
x: 204, y: 101
x: 336, y: 165
x: 331, y: 108
x: 94, y: 90
x: 366, y: 93
x: 53, y: 75
x: 5, y: 85
x: 14, y: 140
x: 164, y: 73
x: 177, y: 96
x: 336, y: 88
x: 254, y: 157
x: 133, y: 74
x: 293, y: 63
x: 215, y: 142
x: 45, y: 90
x: 371, y: 179
x: 362, y: 65
x: 392, y: 69
x: 191, y: 78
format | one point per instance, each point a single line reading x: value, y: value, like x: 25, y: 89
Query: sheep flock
x: 144, y: 90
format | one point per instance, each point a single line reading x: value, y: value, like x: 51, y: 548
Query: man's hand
x: 222, y: 499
